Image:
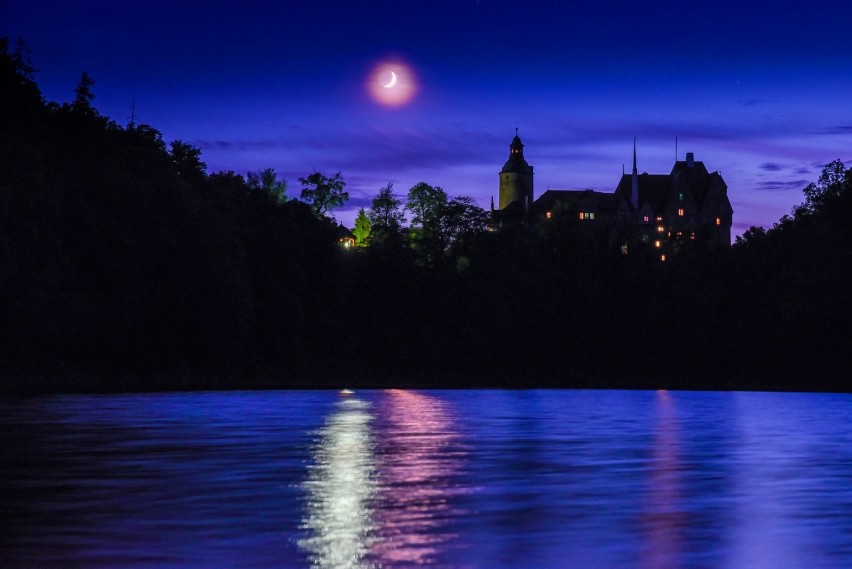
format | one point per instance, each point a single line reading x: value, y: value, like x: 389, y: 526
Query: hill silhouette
x: 125, y: 265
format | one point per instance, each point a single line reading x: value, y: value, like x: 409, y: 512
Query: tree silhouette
x: 322, y: 193
x: 424, y: 203
x: 267, y: 181
x: 187, y: 161
x: 386, y: 212
x: 828, y: 187
x: 83, y: 95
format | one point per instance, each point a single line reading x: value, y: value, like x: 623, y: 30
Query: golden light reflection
x: 340, y: 490
x: 663, y: 517
x: 392, y: 83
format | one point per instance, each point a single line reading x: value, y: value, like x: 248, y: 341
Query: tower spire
x: 634, y: 156
x: 634, y: 181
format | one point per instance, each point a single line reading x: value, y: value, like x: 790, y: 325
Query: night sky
x: 761, y: 91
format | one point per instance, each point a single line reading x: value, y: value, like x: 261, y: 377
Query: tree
x: 830, y: 185
x: 424, y: 203
x: 83, y: 95
x: 267, y: 181
x: 454, y: 224
x: 187, y: 161
x: 322, y: 193
x: 362, y: 228
x: 386, y: 212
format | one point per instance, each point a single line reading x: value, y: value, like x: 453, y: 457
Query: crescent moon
x: 392, y: 81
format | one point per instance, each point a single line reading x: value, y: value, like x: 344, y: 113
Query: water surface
x: 445, y: 478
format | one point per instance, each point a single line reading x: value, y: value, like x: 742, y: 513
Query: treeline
x: 125, y: 265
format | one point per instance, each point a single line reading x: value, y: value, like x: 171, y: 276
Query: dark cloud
x: 771, y: 167
x: 843, y: 129
x: 802, y: 170
x: 778, y: 186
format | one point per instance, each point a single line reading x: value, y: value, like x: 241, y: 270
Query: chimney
x: 690, y: 159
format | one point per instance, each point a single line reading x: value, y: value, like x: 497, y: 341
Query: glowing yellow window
x: 680, y: 212
x: 718, y: 221
x: 657, y: 244
x: 659, y: 218
x: 582, y: 215
x: 660, y: 229
x: 663, y: 258
x: 549, y: 214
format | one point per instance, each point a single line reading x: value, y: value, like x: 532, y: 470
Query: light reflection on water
x: 380, y: 485
x: 341, y: 488
x: 439, y: 478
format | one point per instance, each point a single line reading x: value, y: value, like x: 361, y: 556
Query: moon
x: 391, y: 82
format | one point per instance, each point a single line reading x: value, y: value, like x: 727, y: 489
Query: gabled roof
x: 653, y: 189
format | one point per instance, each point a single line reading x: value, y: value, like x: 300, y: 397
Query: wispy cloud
x: 771, y: 167
x: 779, y: 186
x: 843, y: 129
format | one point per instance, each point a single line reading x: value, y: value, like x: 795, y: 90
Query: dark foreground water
x: 445, y: 478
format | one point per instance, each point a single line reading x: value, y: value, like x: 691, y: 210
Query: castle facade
x: 655, y: 212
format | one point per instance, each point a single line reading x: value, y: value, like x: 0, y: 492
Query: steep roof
x: 653, y: 189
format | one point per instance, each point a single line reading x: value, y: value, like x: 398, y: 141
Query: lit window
x: 692, y: 236
x: 624, y: 249
x: 663, y: 258
x: 718, y: 221
x: 582, y: 215
x: 549, y: 214
x: 679, y: 234
x: 659, y: 218
x: 646, y: 218
x: 660, y: 229
x: 680, y: 212
x: 591, y: 215
x: 657, y: 244
x: 680, y: 197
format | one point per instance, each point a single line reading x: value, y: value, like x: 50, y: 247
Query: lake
x: 391, y: 478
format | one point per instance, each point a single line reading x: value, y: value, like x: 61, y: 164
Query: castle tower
x: 516, y: 177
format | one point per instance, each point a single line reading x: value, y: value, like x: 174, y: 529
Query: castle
x: 655, y: 212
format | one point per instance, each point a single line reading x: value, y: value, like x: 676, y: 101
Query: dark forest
x: 125, y: 265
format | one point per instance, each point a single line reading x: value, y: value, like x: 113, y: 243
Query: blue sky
x: 757, y: 90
